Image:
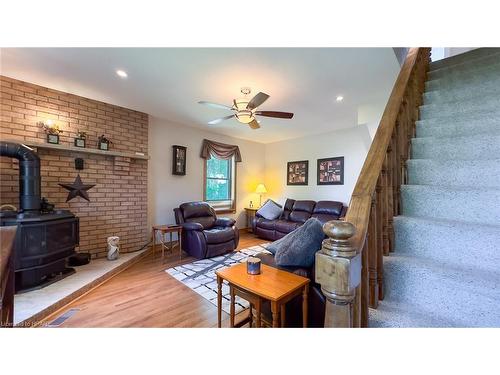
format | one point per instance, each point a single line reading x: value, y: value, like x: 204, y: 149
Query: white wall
x: 352, y: 144
x: 453, y: 51
x: 439, y: 53
x: 167, y: 191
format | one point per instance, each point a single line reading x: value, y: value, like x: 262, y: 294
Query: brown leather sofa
x: 295, y: 213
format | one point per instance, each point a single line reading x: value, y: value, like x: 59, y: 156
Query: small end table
x: 159, y: 231
x: 250, y: 211
x: 274, y: 285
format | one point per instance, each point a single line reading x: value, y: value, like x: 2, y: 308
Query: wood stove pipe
x: 29, y: 174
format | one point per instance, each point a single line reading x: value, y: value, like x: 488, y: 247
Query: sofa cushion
x: 324, y: 217
x: 328, y: 208
x: 270, y: 210
x: 306, y: 206
x: 218, y: 234
x: 287, y: 208
x: 264, y: 223
x: 285, y: 226
x: 299, y: 216
x: 299, y: 247
x: 301, y: 211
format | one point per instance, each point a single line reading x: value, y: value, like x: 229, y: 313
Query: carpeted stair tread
x: 468, y: 83
x: 439, y: 128
x: 447, y: 96
x: 461, y: 147
x: 469, y: 247
x: 478, y: 205
x: 474, y: 117
x: 468, y: 65
x: 475, y: 54
x: 393, y: 314
x: 456, y: 108
x: 442, y: 291
x: 487, y: 65
x: 472, y: 173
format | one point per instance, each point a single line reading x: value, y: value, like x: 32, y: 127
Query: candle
x: 253, y: 266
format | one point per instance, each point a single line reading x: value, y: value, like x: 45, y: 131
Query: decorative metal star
x: 77, y: 188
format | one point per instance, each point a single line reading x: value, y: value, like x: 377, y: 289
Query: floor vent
x: 62, y: 318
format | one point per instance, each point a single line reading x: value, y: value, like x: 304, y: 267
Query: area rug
x: 200, y: 276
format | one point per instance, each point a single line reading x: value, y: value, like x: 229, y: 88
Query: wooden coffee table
x: 274, y: 285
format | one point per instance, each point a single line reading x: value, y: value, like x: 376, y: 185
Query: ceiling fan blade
x: 216, y: 105
x: 257, y: 100
x: 254, y: 124
x: 216, y: 121
x: 275, y: 114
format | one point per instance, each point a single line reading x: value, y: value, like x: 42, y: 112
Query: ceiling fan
x: 246, y: 109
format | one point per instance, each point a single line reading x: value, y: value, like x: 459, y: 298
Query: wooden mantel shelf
x: 86, y: 150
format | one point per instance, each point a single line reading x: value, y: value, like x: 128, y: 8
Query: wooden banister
x: 358, y: 249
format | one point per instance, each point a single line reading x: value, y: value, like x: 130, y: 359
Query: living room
x: 131, y: 190
x: 242, y: 186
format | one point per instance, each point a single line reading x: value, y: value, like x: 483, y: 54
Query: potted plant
x: 52, y: 131
x: 103, y: 143
x: 81, y: 136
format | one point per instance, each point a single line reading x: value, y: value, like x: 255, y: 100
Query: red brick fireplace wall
x: 118, y: 202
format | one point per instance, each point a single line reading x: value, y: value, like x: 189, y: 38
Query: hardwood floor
x: 146, y: 296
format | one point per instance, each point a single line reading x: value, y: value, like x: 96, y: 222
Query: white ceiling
x: 168, y: 82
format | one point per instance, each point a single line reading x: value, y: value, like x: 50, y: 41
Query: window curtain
x: 220, y: 150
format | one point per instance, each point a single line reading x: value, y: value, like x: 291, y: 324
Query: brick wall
x: 118, y: 202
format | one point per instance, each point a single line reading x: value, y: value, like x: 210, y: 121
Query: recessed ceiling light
x: 339, y: 98
x: 122, y: 73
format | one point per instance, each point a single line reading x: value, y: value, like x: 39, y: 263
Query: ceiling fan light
x: 245, y: 117
x: 241, y: 104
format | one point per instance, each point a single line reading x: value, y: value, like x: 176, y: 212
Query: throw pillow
x: 270, y: 210
x: 299, y: 247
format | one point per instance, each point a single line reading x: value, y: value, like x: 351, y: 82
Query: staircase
x: 445, y: 268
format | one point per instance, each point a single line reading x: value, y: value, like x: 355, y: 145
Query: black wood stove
x: 45, y: 237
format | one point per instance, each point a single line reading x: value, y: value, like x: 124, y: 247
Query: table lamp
x: 261, y: 189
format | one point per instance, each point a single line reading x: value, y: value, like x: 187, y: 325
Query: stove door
x: 46, y: 241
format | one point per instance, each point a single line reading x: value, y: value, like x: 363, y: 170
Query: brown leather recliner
x: 204, y: 235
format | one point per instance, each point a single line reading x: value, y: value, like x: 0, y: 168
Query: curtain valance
x: 220, y: 150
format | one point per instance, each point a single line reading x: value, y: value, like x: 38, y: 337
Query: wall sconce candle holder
x: 80, y: 140
x: 52, y: 130
x: 103, y: 143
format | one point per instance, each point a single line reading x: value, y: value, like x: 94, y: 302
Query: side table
x: 250, y: 212
x: 276, y: 286
x: 159, y: 232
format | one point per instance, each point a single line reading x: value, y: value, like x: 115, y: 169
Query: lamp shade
x: 261, y: 189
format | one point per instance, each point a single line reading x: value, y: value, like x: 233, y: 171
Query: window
x: 220, y: 183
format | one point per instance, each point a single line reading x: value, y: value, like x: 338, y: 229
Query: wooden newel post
x: 338, y: 271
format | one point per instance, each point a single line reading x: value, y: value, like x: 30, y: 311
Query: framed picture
x: 179, y: 160
x: 80, y: 142
x: 103, y: 145
x: 297, y: 172
x: 53, y: 138
x: 331, y: 171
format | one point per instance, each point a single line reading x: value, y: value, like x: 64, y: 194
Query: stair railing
x: 349, y: 267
